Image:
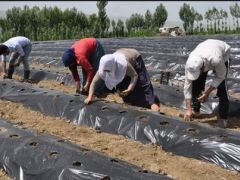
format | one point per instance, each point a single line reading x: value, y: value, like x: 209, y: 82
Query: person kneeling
x: 125, y: 71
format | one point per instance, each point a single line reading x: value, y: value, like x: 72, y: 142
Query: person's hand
x: 85, y: 88
x: 203, y: 98
x: 78, y: 87
x: 78, y: 91
x: 88, y: 100
x: 4, y: 75
x: 155, y: 107
x: 84, y: 92
x: 124, y: 93
x: 188, y: 115
x: 16, y: 64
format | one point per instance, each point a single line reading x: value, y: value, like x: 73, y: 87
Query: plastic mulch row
x: 194, y: 140
x: 28, y: 154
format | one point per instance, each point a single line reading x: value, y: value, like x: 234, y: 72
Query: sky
x: 124, y: 9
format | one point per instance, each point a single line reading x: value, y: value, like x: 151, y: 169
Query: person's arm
x: 76, y: 77
x: 134, y: 77
x: 220, y: 74
x: 205, y: 94
x: 4, y: 64
x: 92, y: 88
x: 90, y: 72
x: 19, y: 60
x: 188, y: 99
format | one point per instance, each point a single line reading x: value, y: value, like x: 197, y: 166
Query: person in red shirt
x: 87, y: 53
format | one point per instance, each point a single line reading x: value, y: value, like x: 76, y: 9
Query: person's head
x: 4, y: 49
x: 194, y: 67
x: 112, y: 69
x: 69, y: 58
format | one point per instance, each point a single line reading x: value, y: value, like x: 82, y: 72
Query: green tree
x: 13, y: 19
x: 215, y: 15
x: 107, y: 25
x: 198, y: 18
x: 5, y: 32
x: 128, y: 25
x: 34, y: 13
x: 25, y: 22
x: 224, y: 15
x: 113, y: 23
x: 148, y: 19
x: 207, y: 17
x: 94, y: 25
x: 82, y: 24
x: 135, y: 22
x: 187, y: 15
x: 160, y: 16
x: 233, y: 12
x: 120, y: 28
x: 102, y: 15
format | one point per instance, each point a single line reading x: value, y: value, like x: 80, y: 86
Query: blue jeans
x: 27, y: 49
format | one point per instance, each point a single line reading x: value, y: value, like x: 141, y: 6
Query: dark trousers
x: 199, y: 85
x: 143, y: 94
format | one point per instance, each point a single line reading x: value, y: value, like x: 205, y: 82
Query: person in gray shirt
x: 125, y: 71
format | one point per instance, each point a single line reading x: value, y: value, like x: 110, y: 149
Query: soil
x: 3, y: 175
x: 148, y: 156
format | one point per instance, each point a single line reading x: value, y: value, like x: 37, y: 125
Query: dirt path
x: 3, y: 175
x: 149, y: 157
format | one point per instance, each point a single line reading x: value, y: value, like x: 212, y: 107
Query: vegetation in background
x: 103, y: 20
x: 56, y: 24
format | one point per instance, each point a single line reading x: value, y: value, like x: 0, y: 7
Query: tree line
x: 55, y: 24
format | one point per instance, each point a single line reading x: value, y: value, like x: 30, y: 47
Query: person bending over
x: 87, y: 53
x: 19, y: 47
x: 208, y: 55
x: 125, y: 71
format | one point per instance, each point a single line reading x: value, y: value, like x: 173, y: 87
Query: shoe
x: 10, y: 72
x: 222, y: 123
x: 26, y: 74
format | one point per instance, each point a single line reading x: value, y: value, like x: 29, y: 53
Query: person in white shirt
x: 209, y: 55
x: 19, y: 47
x: 125, y: 71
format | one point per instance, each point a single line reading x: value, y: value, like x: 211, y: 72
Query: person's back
x: 84, y: 48
x: 87, y: 53
x: 130, y: 54
x: 14, y: 41
x: 211, y: 49
x: 208, y: 55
